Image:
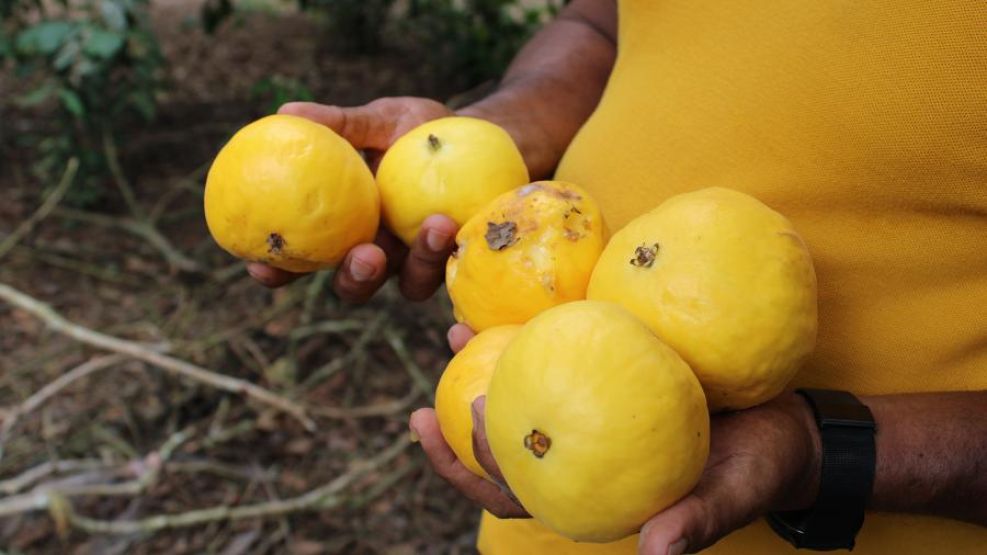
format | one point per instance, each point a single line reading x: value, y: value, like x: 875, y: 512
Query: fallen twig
x: 417, y: 376
x: 68, y: 177
x: 324, y: 497
x: 32, y: 475
x: 52, y: 389
x: 133, y: 349
x: 370, y: 411
x: 139, y: 228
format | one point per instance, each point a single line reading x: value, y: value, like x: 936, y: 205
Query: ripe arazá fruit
x: 451, y: 166
x: 726, y: 282
x: 526, y: 251
x: 291, y: 193
x: 595, y: 423
x: 464, y: 379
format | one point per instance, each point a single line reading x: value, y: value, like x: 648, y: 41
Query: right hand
x: 373, y: 128
x: 493, y: 496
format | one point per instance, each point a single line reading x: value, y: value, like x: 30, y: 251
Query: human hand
x: 761, y: 459
x: 424, y: 427
x: 766, y: 458
x: 373, y: 128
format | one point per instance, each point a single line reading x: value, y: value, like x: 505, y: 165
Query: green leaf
x: 44, y: 38
x: 35, y: 97
x: 102, y: 44
x: 113, y: 15
x: 66, y: 56
x: 72, y: 102
x: 143, y: 102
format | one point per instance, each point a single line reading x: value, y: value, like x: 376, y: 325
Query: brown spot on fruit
x: 275, y: 243
x: 538, y: 443
x: 644, y: 256
x: 502, y: 235
x: 434, y: 143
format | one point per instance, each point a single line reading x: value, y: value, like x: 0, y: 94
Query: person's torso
x: 863, y: 122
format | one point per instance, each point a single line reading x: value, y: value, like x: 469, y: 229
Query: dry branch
x: 324, y: 497
x: 32, y: 475
x: 414, y: 371
x: 68, y: 177
x: 133, y: 349
x: 34, y: 401
x: 369, y: 411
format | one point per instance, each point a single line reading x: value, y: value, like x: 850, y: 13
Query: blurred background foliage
x: 111, y: 112
x: 96, y: 69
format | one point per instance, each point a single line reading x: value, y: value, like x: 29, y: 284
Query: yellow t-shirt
x: 865, y: 123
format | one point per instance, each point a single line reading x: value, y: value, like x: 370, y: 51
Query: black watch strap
x: 846, y: 428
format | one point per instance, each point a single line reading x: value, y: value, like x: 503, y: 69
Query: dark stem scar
x: 275, y: 243
x: 502, y: 235
x: 644, y: 256
x: 434, y: 143
x: 538, y: 443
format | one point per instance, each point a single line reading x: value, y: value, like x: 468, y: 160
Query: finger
x: 426, y: 427
x: 369, y: 126
x: 481, y: 449
x: 672, y: 530
x: 394, y: 248
x: 458, y: 336
x: 362, y: 272
x: 424, y: 269
x: 270, y: 276
x: 715, y: 508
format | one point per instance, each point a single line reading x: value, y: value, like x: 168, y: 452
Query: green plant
x: 276, y: 90
x: 95, y: 65
x: 355, y: 26
x: 468, y: 42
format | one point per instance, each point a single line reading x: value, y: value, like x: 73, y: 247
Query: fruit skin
x: 731, y: 288
x: 528, y: 250
x: 291, y: 193
x: 625, y: 420
x: 451, y: 166
x: 466, y: 378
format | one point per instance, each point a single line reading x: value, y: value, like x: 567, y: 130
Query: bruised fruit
x: 595, y: 423
x: 726, y: 282
x: 528, y: 250
x: 290, y: 193
x: 466, y: 378
x: 451, y: 166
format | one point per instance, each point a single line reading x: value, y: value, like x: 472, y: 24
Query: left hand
x: 761, y: 459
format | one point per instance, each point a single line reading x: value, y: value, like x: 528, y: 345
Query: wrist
x: 801, y: 486
x: 533, y: 141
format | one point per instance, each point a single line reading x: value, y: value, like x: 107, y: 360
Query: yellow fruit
x: 451, y: 166
x: 595, y: 423
x: 528, y: 250
x: 522, y: 536
x: 726, y: 282
x: 291, y: 193
x: 466, y: 378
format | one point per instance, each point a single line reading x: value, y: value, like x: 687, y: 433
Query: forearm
x: 554, y: 83
x: 932, y: 454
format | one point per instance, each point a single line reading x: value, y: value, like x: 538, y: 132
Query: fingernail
x: 677, y: 548
x: 413, y: 435
x: 360, y: 270
x: 436, y: 240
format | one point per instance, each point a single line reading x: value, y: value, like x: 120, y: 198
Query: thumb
x: 370, y: 126
x: 679, y: 527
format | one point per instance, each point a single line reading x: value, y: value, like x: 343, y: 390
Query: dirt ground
x: 133, y: 440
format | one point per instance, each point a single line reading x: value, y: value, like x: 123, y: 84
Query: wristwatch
x: 846, y: 427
